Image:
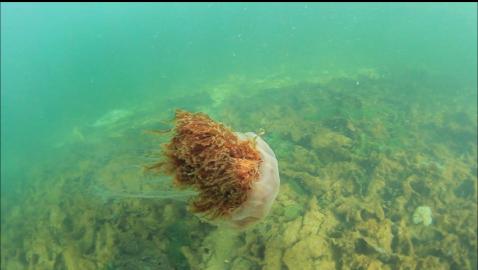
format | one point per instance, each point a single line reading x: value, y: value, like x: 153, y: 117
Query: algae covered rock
x: 329, y: 139
x: 308, y: 236
x: 375, y: 236
x: 306, y: 253
x: 273, y: 255
x: 291, y: 234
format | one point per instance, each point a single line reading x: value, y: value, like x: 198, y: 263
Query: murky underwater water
x: 370, y: 109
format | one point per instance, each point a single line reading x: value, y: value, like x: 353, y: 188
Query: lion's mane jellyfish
x: 235, y: 174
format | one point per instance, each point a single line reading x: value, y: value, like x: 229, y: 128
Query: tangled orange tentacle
x: 209, y: 157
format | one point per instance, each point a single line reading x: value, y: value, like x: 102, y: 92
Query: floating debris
x: 111, y: 118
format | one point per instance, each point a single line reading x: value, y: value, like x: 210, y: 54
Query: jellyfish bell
x: 264, y: 190
x: 235, y: 175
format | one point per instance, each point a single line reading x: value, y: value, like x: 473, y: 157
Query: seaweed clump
x: 210, y: 158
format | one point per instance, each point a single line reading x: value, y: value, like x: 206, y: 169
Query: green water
x: 370, y: 108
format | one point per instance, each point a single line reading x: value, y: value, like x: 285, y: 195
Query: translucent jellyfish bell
x: 264, y: 190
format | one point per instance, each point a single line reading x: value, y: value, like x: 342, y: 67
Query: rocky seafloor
x: 358, y: 154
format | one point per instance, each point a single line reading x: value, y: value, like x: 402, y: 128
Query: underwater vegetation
x: 356, y: 161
